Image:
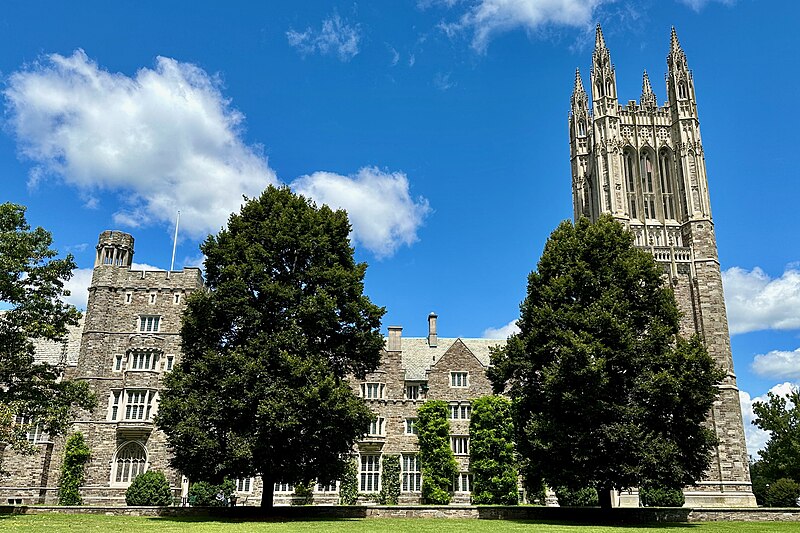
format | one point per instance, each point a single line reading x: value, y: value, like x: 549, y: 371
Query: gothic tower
x: 644, y: 164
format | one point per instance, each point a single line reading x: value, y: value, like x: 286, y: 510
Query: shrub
x: 76, y: 454
x: 390, y: 480
x: 438, y: 465
x: 782, y: 493
x: 655, y: 496
x: 205, y: 494
x: 585, y: 497
x: 348, y: 488
x: 303, y: 494
x: 149, y: 488
x: 491, y: 452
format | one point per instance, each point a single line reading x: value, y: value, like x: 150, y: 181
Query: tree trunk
x: 604, y: 498
x: 267, y: 491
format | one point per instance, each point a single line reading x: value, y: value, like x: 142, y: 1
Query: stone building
x: 644, y: 164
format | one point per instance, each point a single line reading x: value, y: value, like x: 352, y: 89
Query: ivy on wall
x: 76, y: 455
x: 437, y: 462
x: 348, y: 488
x: 390, y: 480
x: 491, y: 453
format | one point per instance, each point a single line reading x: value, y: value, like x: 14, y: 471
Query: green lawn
x: 103, y: 524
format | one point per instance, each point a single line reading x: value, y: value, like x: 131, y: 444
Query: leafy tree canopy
x: 606, y: 394
x: 780, y: 415
x: 261, y: 388
x: 31, y: 285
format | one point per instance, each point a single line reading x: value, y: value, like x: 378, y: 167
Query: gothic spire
x: 599, y: 41
x: 648, y: 98
x: 578, y: 89
x: 674, y: 44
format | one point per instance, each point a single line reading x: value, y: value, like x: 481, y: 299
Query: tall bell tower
x: 644, y: 164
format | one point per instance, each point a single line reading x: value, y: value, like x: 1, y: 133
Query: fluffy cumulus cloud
x: 78, y: 287
x: 503, y: 332
x: 757, y: 438
x: 755, y: 301
x: 778, y: 364
x: 486, y: 18
x: 166, y: 138
x: 336, y: 37
x: 382, y: 212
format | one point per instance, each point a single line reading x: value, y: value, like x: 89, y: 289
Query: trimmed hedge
x: 653, y: 496
x: 149, y: 488
x: 585, y: 497
x: 205, y: 494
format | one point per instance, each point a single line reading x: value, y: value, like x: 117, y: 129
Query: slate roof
x: 418, y: 357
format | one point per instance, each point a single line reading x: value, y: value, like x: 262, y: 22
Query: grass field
x: 102, y: 524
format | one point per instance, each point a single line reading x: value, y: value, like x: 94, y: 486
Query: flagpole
x: 174, y: 243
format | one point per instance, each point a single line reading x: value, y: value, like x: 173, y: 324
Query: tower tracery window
x: 630, y: 182
x: 648, y: 192
x: 682, y: 91
x: 665, y: 171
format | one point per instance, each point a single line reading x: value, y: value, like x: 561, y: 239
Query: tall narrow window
x: 130, y: 462
x: 630, y: 183
x: 115, y: 400
x: 376, y: 427
x: 462, y: 482
x: 284, y: 487
x: 682, y: 92
x: 412, y: 392
x: 244, y: 484
x: 118, y: 363
x: 411, y: 426
x: 369, y: 473
x: 647, y: 186
x: 412, y: 476
x: 460, y: 445
x: 665, y: 171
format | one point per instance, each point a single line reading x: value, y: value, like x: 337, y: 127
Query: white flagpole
x: 174, y: 243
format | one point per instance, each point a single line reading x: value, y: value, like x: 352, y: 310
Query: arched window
x: 131, y: 460
x: 665, y: 171
x: 609, y: 88
x: 682, y: 92
x: 599, y: 85
x: 630, y: 182
x: 581, y: 127
x: 648, y: 192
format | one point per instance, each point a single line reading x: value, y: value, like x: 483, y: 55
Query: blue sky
x: 441, y: 125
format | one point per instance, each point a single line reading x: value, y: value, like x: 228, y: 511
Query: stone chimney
x: 433, y: 338
x: 395, y: 335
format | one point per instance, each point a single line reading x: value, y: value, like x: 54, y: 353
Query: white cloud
x: 442, y: 81
x: 503, y: 332
x: 697, y: 5
x: 486, y: 18
x: 78, y: 287
x: 166, y: 138
x: 336, y: 37
x: 382, y: 212
x: 757, y: 438
x: 757, y: 302
x: 778, y: 364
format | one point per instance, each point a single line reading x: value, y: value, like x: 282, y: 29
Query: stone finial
x: 674, y: 44
x: 599, y: 41
x: 648, y: 98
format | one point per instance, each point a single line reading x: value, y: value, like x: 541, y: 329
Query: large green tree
x: 31, y: 287
x: 780, y: 458
x: 261, y: 389
x: 606, y: 394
